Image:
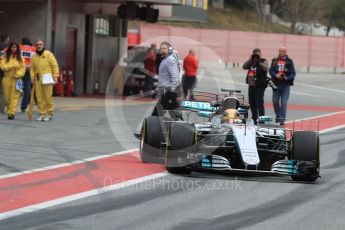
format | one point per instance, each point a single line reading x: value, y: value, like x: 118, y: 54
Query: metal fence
x: 236, y: 46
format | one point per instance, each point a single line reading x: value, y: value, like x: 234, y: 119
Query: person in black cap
x: 257, y: 82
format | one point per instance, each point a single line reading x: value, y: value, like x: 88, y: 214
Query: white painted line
x: 40, y: 206
x: 240, y: 83
x: 319, y: 116
x: 224, y: 80
x: 332, y: 129
x: 67, y: 164
x: 292, y: 92
x: 305, y: 94
x: 319, y: 87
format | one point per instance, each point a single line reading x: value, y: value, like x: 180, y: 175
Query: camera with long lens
x: 283, y: 76
x: 271, y: 84
x: 255, y: 58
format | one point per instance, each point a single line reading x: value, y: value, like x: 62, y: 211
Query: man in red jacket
x: 190, y: 67
x: 151, y: 69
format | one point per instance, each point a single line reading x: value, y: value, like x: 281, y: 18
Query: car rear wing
x: 205, y: 96
x: 233, y: 93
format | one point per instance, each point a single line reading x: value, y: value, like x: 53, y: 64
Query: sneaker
x: 41, y: 118
x: 48, y: 117
x: 23, y: 110
x: 10, y: 117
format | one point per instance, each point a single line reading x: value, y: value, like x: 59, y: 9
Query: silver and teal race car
x: 228, y: 141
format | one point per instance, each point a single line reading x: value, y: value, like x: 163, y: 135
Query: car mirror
x: 244, y: 106
x: 265, y: 119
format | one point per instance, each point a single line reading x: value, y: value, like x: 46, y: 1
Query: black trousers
x: 256, y: 101
x: 188, y: 83
x: 148, y: 83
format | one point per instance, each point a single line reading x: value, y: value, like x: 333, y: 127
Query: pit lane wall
x: 232, y: 47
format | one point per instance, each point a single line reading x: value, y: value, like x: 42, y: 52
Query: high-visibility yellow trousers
x: 44, y: 96
x: 11, y: 94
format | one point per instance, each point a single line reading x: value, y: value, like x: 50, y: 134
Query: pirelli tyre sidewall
x: 182, y: 140
x: 306, y: 147
x: 153, y: 135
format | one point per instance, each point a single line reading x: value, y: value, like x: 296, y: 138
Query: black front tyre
x: 182, y: 140
x: 153, y: 135
x: 306, y: 147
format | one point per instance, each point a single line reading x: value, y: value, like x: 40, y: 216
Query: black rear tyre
x: 153, y: 135
x: 306, y: 147
x: 182, y: 140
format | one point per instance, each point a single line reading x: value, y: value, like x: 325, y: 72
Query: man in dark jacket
x: 28, y: 51
x: 257, y: 82
x: 283, y: 73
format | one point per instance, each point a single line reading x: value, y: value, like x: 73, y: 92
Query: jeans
x: 27, y: 90
x: 280, y: 99
x: 256, y: 101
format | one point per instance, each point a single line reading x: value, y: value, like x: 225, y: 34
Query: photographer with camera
x: 283, y: 73
x: 257, y: 82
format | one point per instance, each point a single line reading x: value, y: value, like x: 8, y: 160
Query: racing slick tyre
x: 182, y: 140
x: 152, y: 141
x: 306, y: 147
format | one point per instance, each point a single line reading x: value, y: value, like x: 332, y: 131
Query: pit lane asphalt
x: 199, y: 201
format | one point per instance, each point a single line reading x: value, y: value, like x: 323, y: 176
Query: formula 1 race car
x: 229, y: 141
